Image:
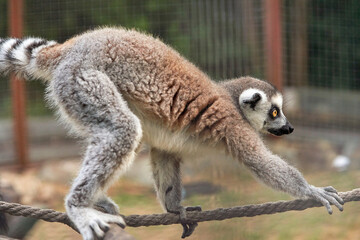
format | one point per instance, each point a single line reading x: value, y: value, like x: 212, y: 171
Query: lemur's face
x: 265, y: 113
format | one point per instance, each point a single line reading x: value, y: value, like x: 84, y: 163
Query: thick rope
x: 169, y: 218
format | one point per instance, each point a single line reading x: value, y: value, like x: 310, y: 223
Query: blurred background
x: 310, y: 49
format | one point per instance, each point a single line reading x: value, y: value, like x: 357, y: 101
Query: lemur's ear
x: 253, y: 100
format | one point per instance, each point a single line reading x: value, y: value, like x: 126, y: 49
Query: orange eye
x: 274, y: 113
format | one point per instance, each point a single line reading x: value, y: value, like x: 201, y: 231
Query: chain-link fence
x: 226, y: 39
x: 322, y: 55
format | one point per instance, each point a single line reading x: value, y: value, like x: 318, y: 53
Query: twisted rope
x: 170, y: 218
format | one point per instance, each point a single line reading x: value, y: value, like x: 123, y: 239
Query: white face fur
x: 263, y: 113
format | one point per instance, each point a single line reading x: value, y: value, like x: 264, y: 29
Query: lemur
x: 117, y: 87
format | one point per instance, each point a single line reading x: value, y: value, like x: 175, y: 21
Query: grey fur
x: 85, y: 95
x: 167, y: 176
x: 117, y: 87
x: 166, y: 171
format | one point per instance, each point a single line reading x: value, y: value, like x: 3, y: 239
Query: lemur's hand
x: 327, y: 196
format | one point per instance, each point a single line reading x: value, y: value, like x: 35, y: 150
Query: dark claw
x: 105, y: 229
x: 330, y: 189
x: 121, y: 225
x: 185, y: 230
x: 192, y: 227
x: 192, y: 209
x: 189, y: 228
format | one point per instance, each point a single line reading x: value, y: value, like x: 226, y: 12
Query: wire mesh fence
x: 321, y: 52
x: 226, y: 39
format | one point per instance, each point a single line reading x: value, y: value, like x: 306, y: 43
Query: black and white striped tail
x: 19, y: 56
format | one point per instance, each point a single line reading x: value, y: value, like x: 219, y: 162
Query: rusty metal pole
x: 18, y: 89
x: 273, y: 43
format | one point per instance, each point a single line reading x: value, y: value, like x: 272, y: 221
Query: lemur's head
x: 261, y: 104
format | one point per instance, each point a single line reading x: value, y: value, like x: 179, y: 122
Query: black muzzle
x: 286, y: 129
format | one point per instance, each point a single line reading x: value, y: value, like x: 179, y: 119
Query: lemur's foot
x: 93, y: 224
x: 188, y: 228
x: 106, y: 205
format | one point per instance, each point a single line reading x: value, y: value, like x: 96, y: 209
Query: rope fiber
x: 170, y: 218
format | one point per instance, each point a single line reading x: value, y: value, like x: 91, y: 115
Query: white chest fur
x: 165, y: 139
x: 161, y: 137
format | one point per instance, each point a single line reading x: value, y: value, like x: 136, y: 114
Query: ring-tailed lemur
x: 117, y: 87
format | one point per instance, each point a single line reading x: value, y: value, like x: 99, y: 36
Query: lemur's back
x: 155, y: 80
x: 151, y: 75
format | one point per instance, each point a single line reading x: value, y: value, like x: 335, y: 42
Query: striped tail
x: 19, y: 56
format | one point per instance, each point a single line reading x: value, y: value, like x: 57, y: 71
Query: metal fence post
x: 273, y: 43
x: 18, y: 89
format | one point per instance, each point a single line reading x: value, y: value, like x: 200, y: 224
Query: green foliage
x: 60, y: 20
x: 334, y: 43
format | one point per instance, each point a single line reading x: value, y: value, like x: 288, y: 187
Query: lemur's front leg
x: 274, y: 171
x: 166, y: 170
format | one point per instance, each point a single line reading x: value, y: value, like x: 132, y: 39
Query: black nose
x: 287, y: 128
x: 291, y: 128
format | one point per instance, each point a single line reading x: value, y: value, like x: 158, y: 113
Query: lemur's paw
x: 327, y: 196
x: 106, y: 205
x: 93, y: 224
x: 188, y: 228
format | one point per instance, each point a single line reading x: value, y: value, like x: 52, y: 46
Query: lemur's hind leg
x: 91, y: 102
x: 166, y: 170
x: 106, y: 205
